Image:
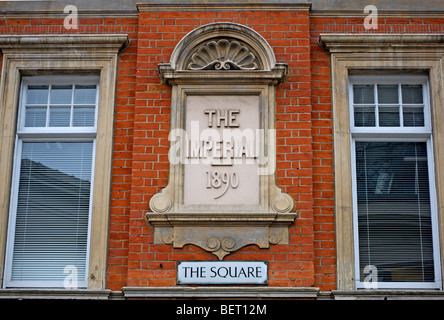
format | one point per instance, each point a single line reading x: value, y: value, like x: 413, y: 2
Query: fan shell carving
x: 223, y: 55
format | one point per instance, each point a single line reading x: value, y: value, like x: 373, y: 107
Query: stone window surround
x: 25, y: 55
x: 378, y: 54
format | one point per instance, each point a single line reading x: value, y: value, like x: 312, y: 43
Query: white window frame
x: 399, y: 134
x: 47, y: 134
x: 390, y: 79
x: 23, y: 131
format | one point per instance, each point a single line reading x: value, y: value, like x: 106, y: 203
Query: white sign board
x: 222, y: 272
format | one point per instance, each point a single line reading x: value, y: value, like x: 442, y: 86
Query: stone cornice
x: 377, y: 42
x: 100, y: 42
x: 196, y: 5
x: 393, y: 13
x: 117, y: 7
x: 273, y: 77
x: 132, y: 12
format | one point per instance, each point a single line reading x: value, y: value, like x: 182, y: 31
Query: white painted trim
x: 57, y: 80
x: 12, y: 212
x: 391, y: 79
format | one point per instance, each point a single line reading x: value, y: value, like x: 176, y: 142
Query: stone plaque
x: 222, y: 193
x: 222, y: 150
x: 222, y: 272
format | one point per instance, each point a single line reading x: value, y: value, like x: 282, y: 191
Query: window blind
x: 394, y: 211
x: 51, y: 230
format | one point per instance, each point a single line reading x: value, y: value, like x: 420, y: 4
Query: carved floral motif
x: 223, y: 55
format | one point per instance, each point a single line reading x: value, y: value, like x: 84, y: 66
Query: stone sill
x: 383, y: 295
x: 71, y: 294
x: 220, y: 292
x: 215, y: 292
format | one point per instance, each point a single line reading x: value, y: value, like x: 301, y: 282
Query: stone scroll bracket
x: 221, y: 241
x: 226, y: 73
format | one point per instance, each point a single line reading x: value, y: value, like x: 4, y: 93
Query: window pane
x: 388, y: 94
x: 51, y: 229
x: 61, y: 94
x: 413, y: 116
x: 394, y: 215
x: 363, y: 94
x: 85, y: 95
x: 412, y: 94
x: 83, y: 117
x: 59, y: 116
x: 364, y: 116
x: 35, y: 117
x: 37, y: 95
x: 388, y: 116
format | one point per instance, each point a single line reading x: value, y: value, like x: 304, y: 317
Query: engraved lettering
x: 225, y: 116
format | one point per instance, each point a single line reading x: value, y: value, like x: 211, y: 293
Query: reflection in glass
x: 52, y: 211
x: 394, y: 215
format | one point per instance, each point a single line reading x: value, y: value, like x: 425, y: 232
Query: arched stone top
x: 223, y: 46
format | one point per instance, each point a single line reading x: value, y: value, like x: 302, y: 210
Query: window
x: 48, y: 238
x: 384, y: 54
x: 394, y: 202
x: 387, y: 105
x: 67, y: 55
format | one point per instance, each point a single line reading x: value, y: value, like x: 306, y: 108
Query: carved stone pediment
x: 222, y: 193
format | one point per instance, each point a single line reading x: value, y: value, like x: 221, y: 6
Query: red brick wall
x: 142, y: 124
x: 288, y: 34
